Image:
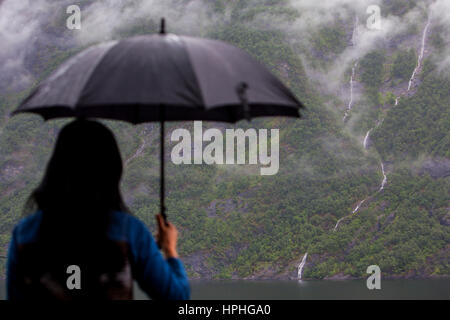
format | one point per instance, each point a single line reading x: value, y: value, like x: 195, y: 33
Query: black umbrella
x: 161, y: 77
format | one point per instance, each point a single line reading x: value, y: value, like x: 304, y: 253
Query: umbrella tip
x: 163, y: 26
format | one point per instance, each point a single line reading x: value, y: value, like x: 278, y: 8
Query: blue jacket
x: 160, y: 278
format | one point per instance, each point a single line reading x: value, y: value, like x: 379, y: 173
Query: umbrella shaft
x: 162, y: 184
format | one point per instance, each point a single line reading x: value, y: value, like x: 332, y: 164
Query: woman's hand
x: 167, y: 237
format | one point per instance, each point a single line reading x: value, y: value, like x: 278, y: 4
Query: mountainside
x: 363, y: 176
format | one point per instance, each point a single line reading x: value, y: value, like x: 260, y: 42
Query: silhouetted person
x: 78, y: 219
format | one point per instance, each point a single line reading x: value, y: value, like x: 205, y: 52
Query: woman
x: 80, y: 242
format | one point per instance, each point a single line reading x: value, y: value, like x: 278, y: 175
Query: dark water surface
x: 293, y: 290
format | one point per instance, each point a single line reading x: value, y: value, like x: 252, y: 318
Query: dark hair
x: 81, y: 184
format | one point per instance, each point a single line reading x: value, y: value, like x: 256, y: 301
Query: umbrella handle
x: 241, y: 91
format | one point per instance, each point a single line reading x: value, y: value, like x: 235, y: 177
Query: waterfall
x: 366, y: 138
x: 352, y: 77
x: 137, y: 153
x: 350, y: 103
x: 420, y: 58
x: 383, y: 183
x: 355, y: 31
x: 301, y: 265
x: 337, y: 223
x: 422, y: 51
x: 359, y: 205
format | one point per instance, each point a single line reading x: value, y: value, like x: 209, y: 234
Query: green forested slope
x: 234, y: 222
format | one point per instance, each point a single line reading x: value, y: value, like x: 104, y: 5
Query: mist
x: 104, y: 19
x: 24, y: 26
x: 19, y: 27
x: 27, y: 26
x: 440, y: 11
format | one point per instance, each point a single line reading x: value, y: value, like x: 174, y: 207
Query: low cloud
x: 24, y: 24
x: 440, y: 11
x: 102, y: 20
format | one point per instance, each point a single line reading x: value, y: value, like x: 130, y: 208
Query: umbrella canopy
x: 162, y: 77
x: 195, y: 79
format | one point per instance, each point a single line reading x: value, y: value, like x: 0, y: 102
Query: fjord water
x: 305, y: 290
